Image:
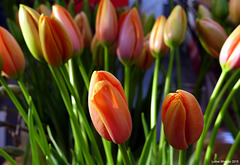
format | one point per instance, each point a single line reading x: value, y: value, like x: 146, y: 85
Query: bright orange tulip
x: 156, y: 42
x: 106, y: 22
x: 130, y: 37
x: 211, y: 35
x: 71, y: 27
x: 230, y: 53
x: 175, y: 29
x: 182, y: 118
x: 108, y: 107
x: 12, y: 55
x: 28, y: 19
x: 234, y: 12
x: 56, y: 43
x: 84, y: 27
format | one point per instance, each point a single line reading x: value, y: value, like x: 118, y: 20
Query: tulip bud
x: 156, y: 41
x: 182, y: 118
x: 203, y: 12
x: 108, y: 107
x: 146, y: 59
x: 84, y: 27
x: 230, y: 55
x: 234, y: 12
x: 43, y: 9
x: 106, y: 22
x: 28, y: 19
x: 130, y: 37
x: 97, y: 51
x: 12, y: 56
x: 211, y: 35
x: 175, y: 27
x: 71, y: 27
x: 56, y: 43
x: 219, y: 9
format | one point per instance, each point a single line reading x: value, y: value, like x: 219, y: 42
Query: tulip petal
x: 174, y: 125
x: 112, y: 110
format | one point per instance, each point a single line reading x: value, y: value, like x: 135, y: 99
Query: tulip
x: 28, y: 19
x: 146, y: 59
x: 182, y: 118
x: 108, y: 107
x: 203, y: 12
x: 97, y: 51
x: 230, y: 55
x: 84, y: 27
x: 211, y: 35
x: 234, y: 13
x: 156, y: 41
x: 106, y: 22
x: 43, y: 9
x: 175, y: 29
x: 56, y: 43
x: 71, y: 27
x: 12, y: 55
x: 219, y: 9
x: 130, y: 37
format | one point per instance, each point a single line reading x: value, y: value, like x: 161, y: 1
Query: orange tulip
x: 106, y: 22
x: 182, y: 118
x: 130, y: 37
x: 234, y: 13
x: 71, y: 27
x: 211, y: 35
x: 108, y: 107
x: 56, y: 43
x: 28, y: 19
x: 12, y: 55
x: 156, y: 42
x: 84, y: 27
x: 175, y: 29
x: 230, y: 53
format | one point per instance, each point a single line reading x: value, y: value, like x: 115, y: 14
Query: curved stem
x: 182, y: 157
x: 108, y: 150
x: 106, y: 58
x: 125, y: 156
x: 83, y: 72
x: 232, y: 150
x: 206, y: 116
x: 218, y: 122
x: 179, y: 74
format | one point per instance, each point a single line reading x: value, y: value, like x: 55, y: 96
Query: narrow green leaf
x: 7, y: 157
x: 145, y: 126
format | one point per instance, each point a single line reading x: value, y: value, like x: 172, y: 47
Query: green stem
x: 106, y: 58
x: 232, y: 150
x: 7, y: 157
x: 125, y: 155
x: 166, y: 91
x: 14, y: 100
x: 179, y: 74
x: 182, y: 157
x: 107, y: 147
x: 127, y: 82
x: 83, y: 72
x: 82, y: 114
x: 217, y: 124
x: 206, y: 116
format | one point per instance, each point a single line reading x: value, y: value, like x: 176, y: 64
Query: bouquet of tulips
x: 82, y: 77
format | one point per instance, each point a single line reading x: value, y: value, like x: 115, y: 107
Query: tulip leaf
x: 146, y: 152
x: 87, y: 11
x: 56, y: 158
x: 148, y: 24
x: 15, y: 31
x: 145, y: 127
x: 7, y: 157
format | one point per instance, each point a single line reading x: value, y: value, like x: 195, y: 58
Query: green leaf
x: 148, y: 24
x: 15, y: 31
x: 87, y: 11
x: 7, y: 157
x: 145, y: 126
x: 147, y: 147
x: 14, y: 151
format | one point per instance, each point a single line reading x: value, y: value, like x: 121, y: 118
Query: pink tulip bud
x: 108, y: 107
x: 56, y: 43
x: 130, y: 37
x: 12, y: 55
x: 182, y: 118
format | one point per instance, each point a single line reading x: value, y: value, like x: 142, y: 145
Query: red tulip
x: 182, y: 118
x: 106, y: 22
x: 108, y: 107
x: 12, y: 55
x: 130, y: 37
x: 56, y: 43
x: 230, y: 53
x: 71, y: 27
